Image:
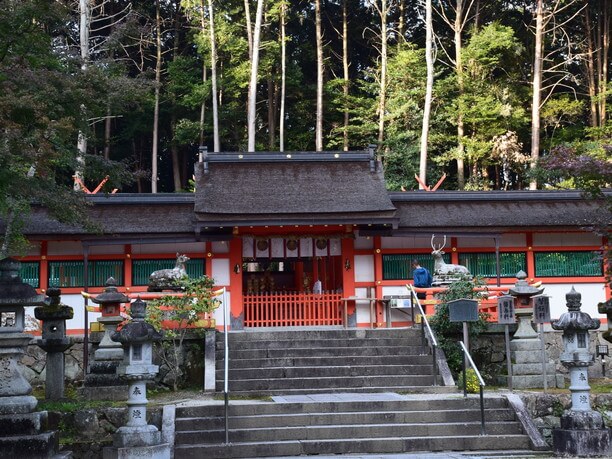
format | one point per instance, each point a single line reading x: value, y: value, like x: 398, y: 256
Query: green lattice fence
x: 568, y: 264
x: 484, y: 264
x: 142, y: 269
x: 71, y: 273
x: 398, y: 266
x: 30, y: 273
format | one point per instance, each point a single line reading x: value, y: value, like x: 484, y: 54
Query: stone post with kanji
x: 137, y: 439
x: 583, y: 432
x: 54, y: 341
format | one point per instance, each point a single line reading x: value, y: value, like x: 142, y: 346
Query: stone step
x: 430, y: 389
x: 319, y: 343
x: 432, y: 403
x: 308, y: 361
x: 344, y: 418
x: 324, y: 352
x: 385, y: 445
x: 318, y: 382
x: 329, y: 432
x: 270, y: 334
x: 325, y: 371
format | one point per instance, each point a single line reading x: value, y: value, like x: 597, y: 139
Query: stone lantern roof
x: 13, y: 291
x: 137, y: 331
x: 575, y: 319
x: 111, y: 294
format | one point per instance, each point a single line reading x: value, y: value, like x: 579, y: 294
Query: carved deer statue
x: 167, y: 279
x: 440, y: 267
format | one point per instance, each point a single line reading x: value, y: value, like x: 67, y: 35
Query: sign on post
x: 505, y: 310
x: 465, y: 311
x: 505, y: 316
x: 541, y: 309
x: 541, y: 315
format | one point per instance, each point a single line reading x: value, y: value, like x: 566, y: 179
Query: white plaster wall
x: 220, y: 247
x: 116, y: 249
x: 591, y: 295
x: 218, y: 313
x: 76, y: 302
x: 406, y: 242
x: 64, y: 248
x: 181, y: 247
x: 364, y: 243
x: 33, y: 249
x: 364, y: 268
x: 363, y: 307
x: 221, y: 271
x: 565, y: 239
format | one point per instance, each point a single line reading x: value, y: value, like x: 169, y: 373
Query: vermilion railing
x: 488, y: 305
x: 292, y: 309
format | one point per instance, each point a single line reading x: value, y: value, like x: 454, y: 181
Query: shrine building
x: 295, y: 236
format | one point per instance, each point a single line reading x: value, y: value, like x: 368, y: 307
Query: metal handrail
x: 481, y: 383
x: 225, y: 364
x: 425, y: 327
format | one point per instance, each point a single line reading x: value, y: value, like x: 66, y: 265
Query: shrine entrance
x: 292, y: 282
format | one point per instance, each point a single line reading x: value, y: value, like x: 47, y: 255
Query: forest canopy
x: 131, y: 89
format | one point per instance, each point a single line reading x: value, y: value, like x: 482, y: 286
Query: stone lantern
x: 523, y: 292
x: 54, y: 341
x: 582, y: 431
x: 21, y: 434
x: 109, y: 354
x: 527, y: 367
x: 137, y: 439
x: 606, y: 308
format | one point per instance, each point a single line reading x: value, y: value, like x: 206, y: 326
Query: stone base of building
x: 162, y: 451
x: 582, y: 443
x: 111, y: 393
x: 533, y: 381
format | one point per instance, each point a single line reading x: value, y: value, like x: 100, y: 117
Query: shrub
x: 472, y: 383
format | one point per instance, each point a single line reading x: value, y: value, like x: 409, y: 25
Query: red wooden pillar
x: 43, y: 275
x: 378, y: 275
x: 348, y: 272
x: 454, y: 252
x: 127, y: 281
x: 235, y: 287
x: 531, y: 272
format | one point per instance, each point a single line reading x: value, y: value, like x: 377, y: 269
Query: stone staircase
x: 378, y: 423
x: 326, y: 361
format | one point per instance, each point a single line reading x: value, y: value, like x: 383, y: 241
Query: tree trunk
x: 401, y: 28
x: 157, y: 91
x: 107, y: 132
x: 345, y: 69
x: 458, y: 29
x: 213, y: 77
x: 174, y: 150
x: 428, y: 91
x: 281, y: 130
x: 249, y: 27
x: 319, y: 110
x: 271, y: 114
x: 85, y: 16
x: 382, y: 101
x: 590, y: 68
x: 605, y: 38
x: 537, y: 88
x: 253, y: 80
x: 203, y: 105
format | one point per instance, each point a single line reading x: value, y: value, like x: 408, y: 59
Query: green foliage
x: 449, y: 333
x: 180, y: 316
x: 471, y: 381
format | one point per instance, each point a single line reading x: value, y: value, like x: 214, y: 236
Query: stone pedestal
x: 526, y: 351
x: 54, y: 342
x: 137, y: 439
x: 22, y: 430
x: 583, y: 432
x: 102, y: 381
